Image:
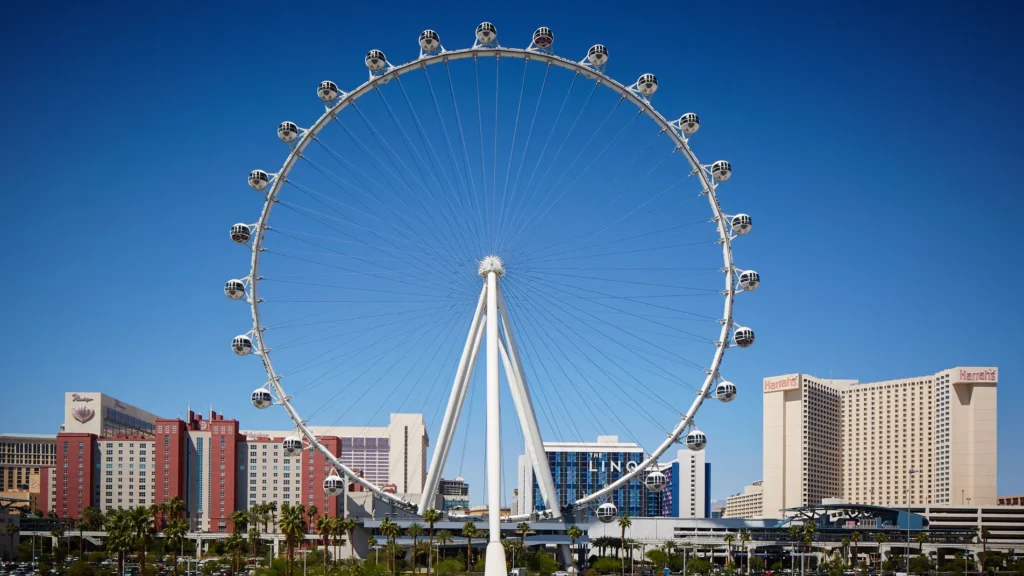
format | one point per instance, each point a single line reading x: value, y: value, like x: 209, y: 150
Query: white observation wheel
x: 489, y: 234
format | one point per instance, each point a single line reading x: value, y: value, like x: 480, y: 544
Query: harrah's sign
x: 786, y: 383
x: 984, y: 375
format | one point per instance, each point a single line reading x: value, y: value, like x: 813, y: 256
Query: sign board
x: 788, y: 382
x: 970, y: 375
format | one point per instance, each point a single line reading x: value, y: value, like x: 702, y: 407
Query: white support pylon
x: 491, y: 267
x: 451, y: 416
x: 516, y: 377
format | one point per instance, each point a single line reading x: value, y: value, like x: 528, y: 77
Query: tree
x: 881, y: 539
x: 845, y: 547
x: 155, y: 512
x: 744, y: 539
x: 239, y: 519
x: 469, y: 531
x: 235, y: 546
x: 175, y: 508
x: 92, y: 519
x: 855, y: 538
x: 728, y: 539
x: 523, y: 528
x: 657, y: 557
x: 140, y: 529
x: 921, y: 538
x: 444, y: 538
x: 431, y: 516
x: 347, y: 526
x: 391, y: 531
x: 311, y: 513
x: 756, y: 564
x: 415, y: 530
x: 574, y: 534
x: 983, y: 538
x: 293, y: 526
x: 624, y: 522
x: 175, y: 531
x: 119, y: 537
x: 254, y: 539
x: 325, y: 528
x: 272, y: 510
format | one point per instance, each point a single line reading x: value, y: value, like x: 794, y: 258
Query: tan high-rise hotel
x: 826, y: 438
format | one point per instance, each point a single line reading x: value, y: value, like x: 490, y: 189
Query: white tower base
x: 495, y: 561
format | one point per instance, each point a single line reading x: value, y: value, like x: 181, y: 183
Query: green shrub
x: 607, y: 566
x: 449, y: 566
x: 81, y: 569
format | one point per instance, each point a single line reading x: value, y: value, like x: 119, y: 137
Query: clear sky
x: 872, y: 144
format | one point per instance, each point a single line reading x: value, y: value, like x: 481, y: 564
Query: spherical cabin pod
x: 259, y: 180
x: 288, y: 132
x: 240, y: 233
x: 655, y: 481
x: 375, y: 60
x: 741, y: 224
x: 598, y: 55
x: 234, y: 289
x: 429, y: 41
x: 333, y: 485
x: 696, y: 440
x: 486, y: 33
x: 292, y: 446
x: 327, y: 91
x: 647, y: 84
x: 744, y: 337
x: 242, y: 345
x: 543, y: 37
x: 689, y: 123
x: 607, y: 512
x: 725, y: 391
x: 721, y: 170
x: 750, y: 280
x: 261, y: 398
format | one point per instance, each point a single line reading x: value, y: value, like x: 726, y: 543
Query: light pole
x: 910, y: 472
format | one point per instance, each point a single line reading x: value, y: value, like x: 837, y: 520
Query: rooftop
x: 28, y: 436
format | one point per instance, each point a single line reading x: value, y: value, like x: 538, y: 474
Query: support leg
x: 451, y: 415
x: 495, y: 565
x: 528, y: 418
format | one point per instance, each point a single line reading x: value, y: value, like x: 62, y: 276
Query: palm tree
x: 325, y: 528
x: 293, y: 526
x: 140, y: 528
x: 175, y: 508
x: 809, y: 529
x: 846, y: 549
x: 58, y: 533
x: 523, y: 528
x: 348, y: 525
x: 272, y: 510
x: 155, y: 511
x: 444, y: 538
x: 371, y: 542
x: 430, y: 516
x: 92, y: 519
x: 624, y: 522
x: 174, y: 532
x: 855, y: 538
x: 744, y: 538
x: 469, y: 530
x: 669, y: 547
x: 235, y: 545
x: 574, y: 534
x: 254, y: 539
x: 921, y: 538
x: 729, y: 539
x: 415, y: 530
x: 119, y: 539
x: 239, y: 519
x: 391, y: 531
x: 311, y: 512
x: 881, y: 539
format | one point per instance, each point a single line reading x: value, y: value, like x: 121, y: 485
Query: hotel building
x: 929, y: 439
x: 749, y: 504
x: 582, y: 468
x: 103, y: 415
x: 215, y: 468
x: 21, y: 457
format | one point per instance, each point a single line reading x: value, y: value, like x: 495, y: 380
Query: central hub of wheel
x: 491, y: 264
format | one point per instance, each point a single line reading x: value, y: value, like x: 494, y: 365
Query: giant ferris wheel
x: 509, y: 203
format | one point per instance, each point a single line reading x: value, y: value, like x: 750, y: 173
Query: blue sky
x: 872, y: 144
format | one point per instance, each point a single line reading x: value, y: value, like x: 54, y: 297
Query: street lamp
x: 910, y: 472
